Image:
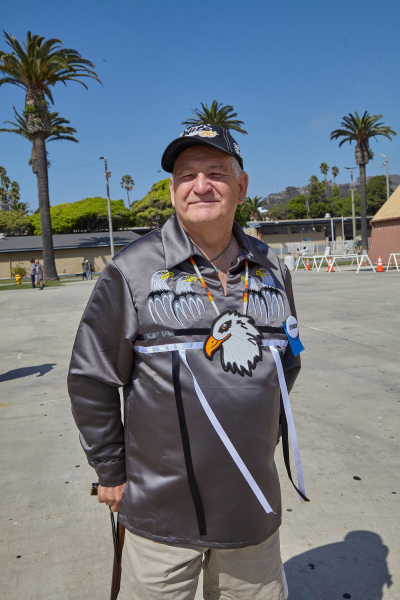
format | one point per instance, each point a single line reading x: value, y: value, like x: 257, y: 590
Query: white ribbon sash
x: 226, y: 441
x: 181, y: 348
x: 194, y: 346
x: 290, y: 421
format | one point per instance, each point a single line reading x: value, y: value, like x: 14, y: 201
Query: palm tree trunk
x: 44, y: 208
x: 363, y: 195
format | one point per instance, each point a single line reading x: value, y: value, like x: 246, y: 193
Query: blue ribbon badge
x: 291, y: 328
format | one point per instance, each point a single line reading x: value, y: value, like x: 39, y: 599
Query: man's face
x: 204, y: 187
x: 37, y: 261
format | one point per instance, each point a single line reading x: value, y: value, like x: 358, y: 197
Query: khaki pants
x: 155, y: 571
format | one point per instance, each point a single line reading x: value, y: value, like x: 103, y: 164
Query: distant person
x: 39, y: 273
x: 304, y: 252
x: 88, y: 270
x: 32, y: 271
x: 83, y: 271
x: 346, y: 248
x: 297, y: 253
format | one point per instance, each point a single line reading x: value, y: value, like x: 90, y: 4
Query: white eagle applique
x: 238, y: 341
x: 264, y: 298
x: 163, y: 302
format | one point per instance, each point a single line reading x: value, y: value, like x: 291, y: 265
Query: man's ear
x: 172, y: 192
x: 243, y: 184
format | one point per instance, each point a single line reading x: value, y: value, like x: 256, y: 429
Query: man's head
x: 207, y: 185
x: 31, y: 260
x: 208, y: 181
x: 36, y: 261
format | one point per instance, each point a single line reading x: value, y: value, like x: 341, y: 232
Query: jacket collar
x: 178, y: 247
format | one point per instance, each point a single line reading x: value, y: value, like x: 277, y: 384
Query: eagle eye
x: 225, y: 326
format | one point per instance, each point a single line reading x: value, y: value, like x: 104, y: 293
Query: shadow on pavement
x: 25, y: 371
x: 355, y: 568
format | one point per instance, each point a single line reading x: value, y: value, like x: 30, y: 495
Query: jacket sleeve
x: 101, y: 362
x: 292, y: 364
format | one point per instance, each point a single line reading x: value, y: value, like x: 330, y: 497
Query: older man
x: 197, y: 315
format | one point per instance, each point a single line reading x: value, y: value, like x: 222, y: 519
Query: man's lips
x: 203, y: 201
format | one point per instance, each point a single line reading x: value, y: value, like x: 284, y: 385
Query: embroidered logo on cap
x: 237, y: 149
x: 200, y: 130
x: 208, y: 134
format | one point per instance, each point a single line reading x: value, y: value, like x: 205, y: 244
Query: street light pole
x: 385, y: 164
x: 353, y: 212
x: 107, y: 174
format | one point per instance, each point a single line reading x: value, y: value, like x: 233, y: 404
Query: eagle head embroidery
x: 238, y: 340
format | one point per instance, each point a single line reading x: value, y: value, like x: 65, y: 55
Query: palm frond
x: 217, y: 114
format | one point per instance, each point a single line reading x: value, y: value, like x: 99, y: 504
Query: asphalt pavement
x: 55, y: 539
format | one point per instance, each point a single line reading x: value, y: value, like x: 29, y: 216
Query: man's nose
x: 201, y: 184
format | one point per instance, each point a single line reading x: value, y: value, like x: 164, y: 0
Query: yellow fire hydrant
x: 18, y: 279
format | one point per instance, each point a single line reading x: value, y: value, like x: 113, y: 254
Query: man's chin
x: 204, y: 213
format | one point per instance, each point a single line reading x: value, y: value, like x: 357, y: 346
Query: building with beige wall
x: 70, y: 250
x: 294, y: 231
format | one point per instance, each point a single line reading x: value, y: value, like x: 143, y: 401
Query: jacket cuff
x: 110, y: 473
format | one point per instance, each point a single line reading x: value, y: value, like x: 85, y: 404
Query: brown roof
x: 391, y: 208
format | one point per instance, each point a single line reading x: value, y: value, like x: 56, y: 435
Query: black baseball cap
x: 208, y: 135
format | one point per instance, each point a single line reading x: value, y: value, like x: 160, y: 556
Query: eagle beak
x: 212, y: 344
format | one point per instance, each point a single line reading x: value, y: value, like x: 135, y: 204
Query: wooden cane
x: 118, y: 532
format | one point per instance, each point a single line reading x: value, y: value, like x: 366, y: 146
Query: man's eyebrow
x: 213, y: 166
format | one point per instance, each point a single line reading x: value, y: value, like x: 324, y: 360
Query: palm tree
x: 58, y: 130
x: 5, y: 184
x: 216, y: 115
x: 14, y: 194
x: 127, y: 183
x: 324, y: 170
x: 361, y: 130
x: 21, y: 207
x: 254, y: 204
x: 335, y: 173
x: 34, y: 66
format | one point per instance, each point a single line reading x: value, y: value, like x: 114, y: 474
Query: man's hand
x: 111, y: 496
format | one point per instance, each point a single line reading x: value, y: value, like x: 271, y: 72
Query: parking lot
x: 55, y: 540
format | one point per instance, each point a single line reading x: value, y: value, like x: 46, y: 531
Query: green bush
x: 156, y: 202
x: 18, y: 270
x: 89, y: 215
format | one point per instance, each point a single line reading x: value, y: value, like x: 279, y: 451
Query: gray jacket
x: 144, y: 328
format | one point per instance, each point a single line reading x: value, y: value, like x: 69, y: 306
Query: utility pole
x: 385, y: 164
x: 353, y: 213
x: 107, y: 174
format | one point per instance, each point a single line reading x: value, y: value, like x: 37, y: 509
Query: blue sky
x: 291, y: 70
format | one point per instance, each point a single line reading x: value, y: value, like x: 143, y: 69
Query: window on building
x: 294, y: 228
x: 278, y: 229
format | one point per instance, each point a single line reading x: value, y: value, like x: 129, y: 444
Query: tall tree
x: 360, y: 130
x: 14, y: 194
x: 324, y: 168
x: 317, y: 190
x: 34, y: 66
x: 216, y: 115
x: 335, y: 173
x: 59, y: 129
x: 127, y: 183
x: 4, y: 185
x: 255, y: 205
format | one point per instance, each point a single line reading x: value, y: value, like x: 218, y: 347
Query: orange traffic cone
x: 330, y: 266
x: 362, y: 263
x: 380, y: 266
x: 308, y: 265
